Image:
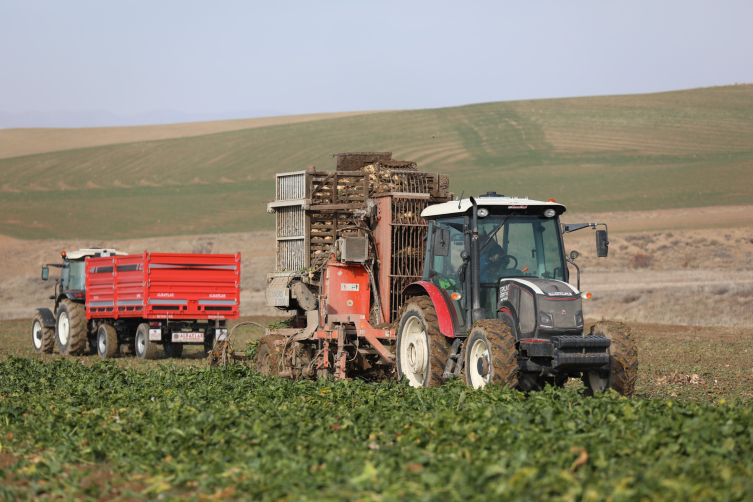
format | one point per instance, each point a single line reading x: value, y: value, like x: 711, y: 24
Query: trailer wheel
x: 173, y: 350
x: 145, y: 348
x: 623, y: 365
x: 42, y: 338
x: 107, y: 341
x: 268, y: 356
x: 71, y: 328
x: 491, y: 355
x: 421, y: 349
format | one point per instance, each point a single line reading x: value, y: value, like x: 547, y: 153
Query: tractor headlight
x: 549, y: 213
x: 579, y: 319
x: 546, y: 320
x: 483, y: 212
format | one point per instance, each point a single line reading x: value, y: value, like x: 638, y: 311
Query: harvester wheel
x: 623, y: 354
x: 173, y: 350
x: 71, y: 328
x: 421, y: 349
x: 42, y: 338
x: 107, y: 341
x: 145, y: 348
x: 268, y: 356
x: 490, y: 355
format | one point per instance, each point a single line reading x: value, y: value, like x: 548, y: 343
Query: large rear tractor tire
x: 70, y: 331
x: 145, y: 348
x: 491, y: 355
x: 107, y: 341
x: 42, y: 338
x: 268, y: 355
x: 422, y: 350
x: 623, y: 366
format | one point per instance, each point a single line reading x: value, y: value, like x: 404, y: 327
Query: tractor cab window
x: 527, y: 246
x: 74, y: 278
x: 448, y: 267
x: 446, y: 271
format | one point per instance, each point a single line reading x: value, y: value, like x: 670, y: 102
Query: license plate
x: 155, y: 335
x: 188, y: 337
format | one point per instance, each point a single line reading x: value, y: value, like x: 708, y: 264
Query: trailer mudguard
x: 47, y: 318
x: 440, y: 305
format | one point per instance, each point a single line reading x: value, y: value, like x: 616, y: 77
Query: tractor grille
x: 556, y: 309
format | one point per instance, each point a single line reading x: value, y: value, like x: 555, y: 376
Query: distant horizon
x: 76, y: 119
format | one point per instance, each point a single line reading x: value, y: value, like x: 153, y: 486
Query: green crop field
x: 126, y: 429
x: 655, y: 151
x: 101, y: 432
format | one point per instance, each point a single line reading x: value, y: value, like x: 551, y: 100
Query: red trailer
x: 137, y: 302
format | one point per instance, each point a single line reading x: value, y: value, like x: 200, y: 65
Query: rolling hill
x: 668, y: 150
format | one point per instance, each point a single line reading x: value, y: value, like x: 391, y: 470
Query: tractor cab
x: 72, y: 282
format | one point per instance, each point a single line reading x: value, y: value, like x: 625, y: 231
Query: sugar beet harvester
x: 116, y: 303
x: 387, y: 272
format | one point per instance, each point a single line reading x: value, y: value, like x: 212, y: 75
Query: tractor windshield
x: 74, y: 278
x: 526, y: 246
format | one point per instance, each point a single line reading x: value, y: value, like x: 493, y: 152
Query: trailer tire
x: 623, y: 361
x: 491, y: 355
x: 70, y: 328
x: 42, y: 338
x: 107, y: 341
x: 173, y: 350
x: 145, y: 348
x: 268, y: 355
x: 422, y: 350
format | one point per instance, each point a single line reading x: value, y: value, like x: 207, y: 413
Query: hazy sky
x: 131, y: 57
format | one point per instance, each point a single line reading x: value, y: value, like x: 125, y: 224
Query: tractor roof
x: 82, y: 253
x: 497, y: 204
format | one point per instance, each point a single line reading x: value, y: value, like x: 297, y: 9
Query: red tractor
x: 387, y: 273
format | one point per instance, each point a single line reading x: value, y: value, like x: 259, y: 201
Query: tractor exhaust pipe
x: 477, y: 314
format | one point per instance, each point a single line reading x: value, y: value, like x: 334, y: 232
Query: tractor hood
x: 545, y: 287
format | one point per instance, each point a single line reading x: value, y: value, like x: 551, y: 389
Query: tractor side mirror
x: 45, y: 273
x: 602, y: 244
x: 441, y: 243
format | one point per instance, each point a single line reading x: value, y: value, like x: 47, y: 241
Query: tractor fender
x: 509, y: 309
x: 76, y: 296
x: 444, y: 317
x: 47, y: 318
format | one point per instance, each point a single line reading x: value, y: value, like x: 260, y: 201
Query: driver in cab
x: 494, y: 261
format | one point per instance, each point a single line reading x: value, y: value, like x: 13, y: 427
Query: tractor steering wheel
x: 505, y: 260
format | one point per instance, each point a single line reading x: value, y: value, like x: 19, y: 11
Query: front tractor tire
x: 623, y: 361
x: 70, y: 328
x: 145, y: 348
x: 422, y: 350
x: 107, y: 341
x: 42, y: 338
x: 491, y: 355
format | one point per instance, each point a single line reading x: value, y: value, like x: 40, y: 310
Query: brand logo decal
x: 217, y: 296
x: 559, y: 293
x: 564, y: 312
x: 165, y: 295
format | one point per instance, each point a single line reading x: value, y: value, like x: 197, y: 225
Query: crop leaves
x: 233, y: 433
